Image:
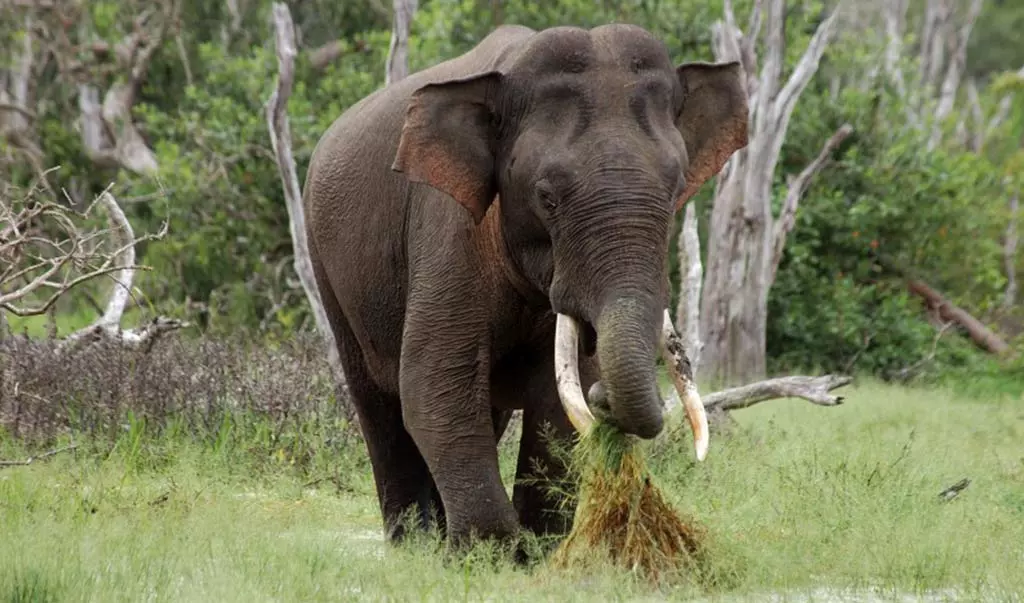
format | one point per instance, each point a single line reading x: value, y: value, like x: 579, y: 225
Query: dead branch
x: 979, y: 333
x: 953, y: 491
x: 398, y: 59
x: 907, y: 372
x: 36, y: 262
x: 44, y: 254
x: 41, y: 457
x: 280, y: 140
x: 108, y: 326
x: 802, y: 74
x: 787, y: 216
x: 813, y: 389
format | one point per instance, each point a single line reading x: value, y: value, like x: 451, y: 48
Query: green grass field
x: 802, y: 502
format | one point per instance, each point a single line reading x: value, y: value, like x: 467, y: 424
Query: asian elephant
x: 478, y: 221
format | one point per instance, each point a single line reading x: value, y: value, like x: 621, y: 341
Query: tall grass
x: 221, y: 498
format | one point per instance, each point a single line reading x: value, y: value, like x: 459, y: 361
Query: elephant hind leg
x: 405, y: 489
x: 406, y: 492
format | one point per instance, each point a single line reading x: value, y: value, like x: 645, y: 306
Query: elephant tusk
x: 672, y: 351
x: 567, y: 374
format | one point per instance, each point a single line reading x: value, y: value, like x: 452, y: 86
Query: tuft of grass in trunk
x: 622, y: 515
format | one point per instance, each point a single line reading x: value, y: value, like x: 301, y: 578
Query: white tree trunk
x: 398, y: 52
x: 281, y: 141
x: 692, y: 272
x: 954, y: 70
x: 744, y: 236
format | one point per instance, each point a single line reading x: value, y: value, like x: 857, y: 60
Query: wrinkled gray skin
x: 567, y: 152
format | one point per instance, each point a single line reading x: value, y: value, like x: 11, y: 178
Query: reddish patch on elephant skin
x: 446, y: 141
x: 434, y: 165
x: 713, y: 121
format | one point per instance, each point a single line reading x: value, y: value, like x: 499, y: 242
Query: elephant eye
x: 546, y: 194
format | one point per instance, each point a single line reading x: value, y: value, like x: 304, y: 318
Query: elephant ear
x: 713, y: 120
x: 448, y: 140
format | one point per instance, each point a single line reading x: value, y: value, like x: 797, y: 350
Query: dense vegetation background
x: 225, y: 263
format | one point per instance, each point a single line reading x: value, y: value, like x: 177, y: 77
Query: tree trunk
x: 398, y: 60
x: 280, y: 139
x: 744, y: 241
x: 692, y: 272
x: 979, y: 333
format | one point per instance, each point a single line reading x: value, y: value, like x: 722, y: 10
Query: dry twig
x: 41, y: 457
x: 45, y: 254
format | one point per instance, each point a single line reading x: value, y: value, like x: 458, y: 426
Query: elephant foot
x: 491, y: 521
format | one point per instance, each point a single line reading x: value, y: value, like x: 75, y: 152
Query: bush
x: 194, y: 385
x: 836, y: 304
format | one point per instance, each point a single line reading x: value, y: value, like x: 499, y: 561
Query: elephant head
x: 593, y: 139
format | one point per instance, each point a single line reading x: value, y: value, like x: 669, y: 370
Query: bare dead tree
x: 108, y: 129
x: 957, y: 62
x: 281, y: 141
x: 398, y: 51
x: 45, y: 253
x: 745, y: 240
x: 41, y: 457
x: 60, y: 32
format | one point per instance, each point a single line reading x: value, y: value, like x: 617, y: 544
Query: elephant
x: 491, y: 233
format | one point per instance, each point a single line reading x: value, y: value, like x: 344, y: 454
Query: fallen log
x: 938, y: 305
x: 813, y: 389
x: 984, y: 337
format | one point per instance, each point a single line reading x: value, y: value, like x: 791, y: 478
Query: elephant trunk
x: 628, y: 331
x: 630, y: 378
x: 628, y: 334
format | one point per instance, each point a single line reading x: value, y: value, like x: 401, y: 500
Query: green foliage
x: 227, y: 260
x: 229, y: 244
x: 994, y: 46
x: 883, y: 205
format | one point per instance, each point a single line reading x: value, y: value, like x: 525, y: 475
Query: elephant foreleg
x: 446, y: 408
x: 547, y: 440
